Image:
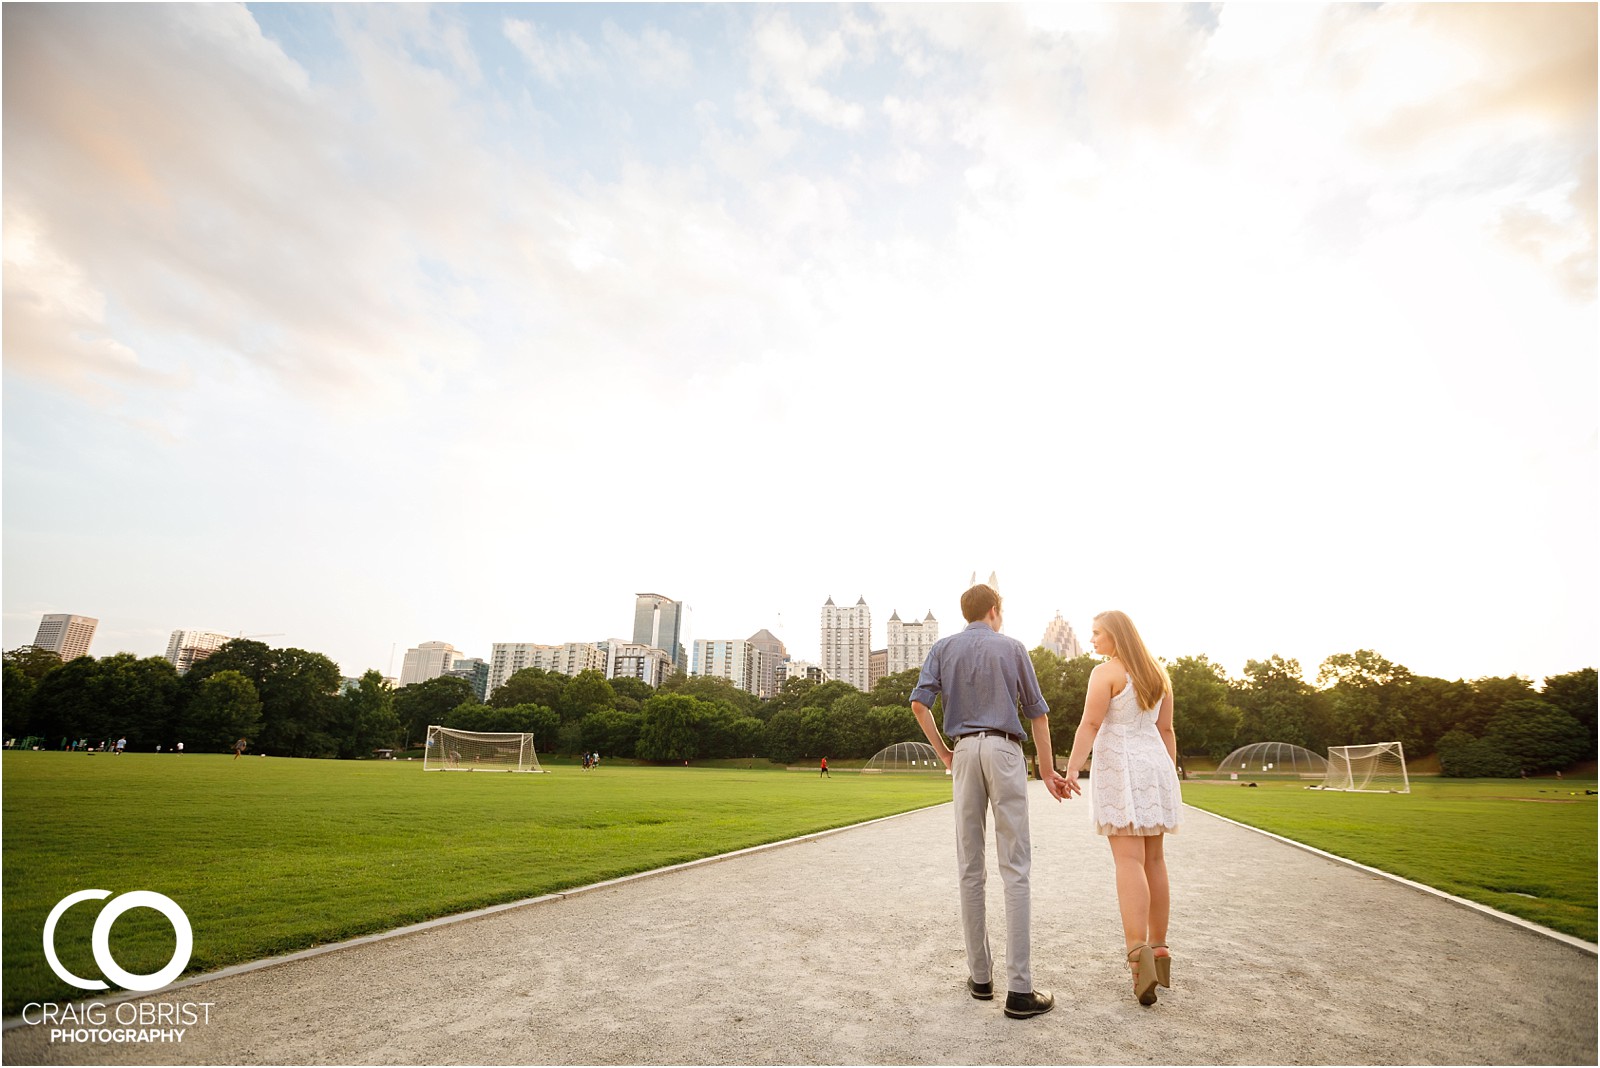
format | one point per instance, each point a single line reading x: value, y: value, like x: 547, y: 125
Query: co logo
x: 101, y: 940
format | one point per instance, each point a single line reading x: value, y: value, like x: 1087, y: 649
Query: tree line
x: 289, y: 702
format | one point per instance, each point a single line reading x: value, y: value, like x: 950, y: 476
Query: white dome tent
x: 1274, y: 759
x: 918, y: 757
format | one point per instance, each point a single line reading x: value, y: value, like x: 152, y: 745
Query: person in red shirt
x: 824, y: 771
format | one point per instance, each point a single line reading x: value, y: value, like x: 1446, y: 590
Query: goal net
x: 452, y: 750
x: 1378, y: 768
x: 905, y: 756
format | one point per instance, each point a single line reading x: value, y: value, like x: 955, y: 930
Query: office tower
x: 847, y: 642
x: 771, y: 667
x: 909, y: 642
x: 475, y: 670
x: 427, y: 661
x: 1059, y: 638
x: 877, y: 666
x: 66, y: 635
x: 186, y: 648
x: 662, y: 622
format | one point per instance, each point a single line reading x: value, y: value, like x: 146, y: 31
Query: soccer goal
x: 1379, y: 768
x: 452, y: 750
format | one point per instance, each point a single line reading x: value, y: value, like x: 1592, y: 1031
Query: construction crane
x: 242, y: 636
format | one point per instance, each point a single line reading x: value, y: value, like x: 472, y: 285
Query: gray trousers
x: 991, y: 772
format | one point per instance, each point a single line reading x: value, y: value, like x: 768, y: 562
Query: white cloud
x: 556, y: 58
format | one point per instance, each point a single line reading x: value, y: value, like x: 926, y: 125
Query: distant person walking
x: 1127, y: 725
x: 984, y: 677
x: 122, y: 743
x: 180, y: 748
x: 824, y: 772
x: 239, y: 748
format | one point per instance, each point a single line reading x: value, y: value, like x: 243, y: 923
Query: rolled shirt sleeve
x: 1033, y: 703
x: 928, y: 685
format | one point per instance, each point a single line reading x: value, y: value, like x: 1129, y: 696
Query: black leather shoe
x: 981, y: 991
x: 1033, y: 1003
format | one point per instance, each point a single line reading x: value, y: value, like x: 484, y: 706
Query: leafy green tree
x: 1275, y: 704
x: 1365, y: 699
x: 24, y: 667
x: 631, y: 693
x: 671, y: 728
x: 823, y: 695
x: 895, y: 689
x: 423, y: 704
x: 1431, y: 707
x: 585, y: 694
x: 530, y: 686
x: 887, y: 724
x: 66, y: 706
x: 747, y: 735
x: 612, y: 732
x: 252, y: 659
x: 1065, y: 685
x: 298, y: 704
x: 1463, y: 756
x: 1537, y: 736
x: 223, y: 708
x: 1575, y: 694
x: 782, y: 738
x: 793, y: 695
x: 1202, y: 716
x: 713, y: 689
x: 366, y: 717
x: 1488, y: 697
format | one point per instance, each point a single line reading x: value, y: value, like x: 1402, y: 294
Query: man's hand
x: 947, y: 756
x: 1059, y: 788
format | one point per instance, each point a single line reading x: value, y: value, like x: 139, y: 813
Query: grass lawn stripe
x: 1524, y: 847
x: 270, y: 856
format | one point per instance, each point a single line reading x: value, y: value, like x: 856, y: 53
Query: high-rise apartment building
x: 772, y: 662
x: 802, y: 669
x: 632, y: 660
x: 738, y: 661
x: 847, y: 642
x: 662, y: 622
x: 427, y: 661
x: 65, y: 635
x: 1059, y: 638
x: 909, y: 642
x: 508, y: 658
x: 186, y: 648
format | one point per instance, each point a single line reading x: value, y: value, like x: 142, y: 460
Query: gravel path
x: 846, y: 949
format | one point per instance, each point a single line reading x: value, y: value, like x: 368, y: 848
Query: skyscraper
x: 847, y: 643
x: 66, y: 635
x: 909, y: 642
x: 186, y: 648
x: 1059, y: 638
x: 771, y: 664
x: 427, y: 661
x: 660, y: 621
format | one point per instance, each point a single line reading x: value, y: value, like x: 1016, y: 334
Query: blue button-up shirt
x: 984, y: 676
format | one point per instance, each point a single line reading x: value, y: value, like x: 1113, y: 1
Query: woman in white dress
x: 1127, y: 725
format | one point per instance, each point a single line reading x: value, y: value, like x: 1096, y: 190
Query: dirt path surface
x: 846, y: 949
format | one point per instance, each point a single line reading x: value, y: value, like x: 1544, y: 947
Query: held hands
x: 1060, y: 788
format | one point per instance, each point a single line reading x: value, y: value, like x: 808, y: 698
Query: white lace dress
x: 1135, y: 784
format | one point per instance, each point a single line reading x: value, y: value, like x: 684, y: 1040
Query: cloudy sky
x: 363, y: 326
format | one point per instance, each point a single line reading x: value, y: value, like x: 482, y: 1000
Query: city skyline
x: 1273, y: 326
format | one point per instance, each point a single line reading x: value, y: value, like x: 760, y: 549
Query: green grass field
x: 1523, y: 846
x: 267, y: 856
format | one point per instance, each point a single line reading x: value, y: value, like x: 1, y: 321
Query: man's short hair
x: 977, y: 601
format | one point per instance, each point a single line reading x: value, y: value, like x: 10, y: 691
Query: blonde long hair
x: 1150, y: 681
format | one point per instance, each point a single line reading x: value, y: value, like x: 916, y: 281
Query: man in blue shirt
x: 984, y: 677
